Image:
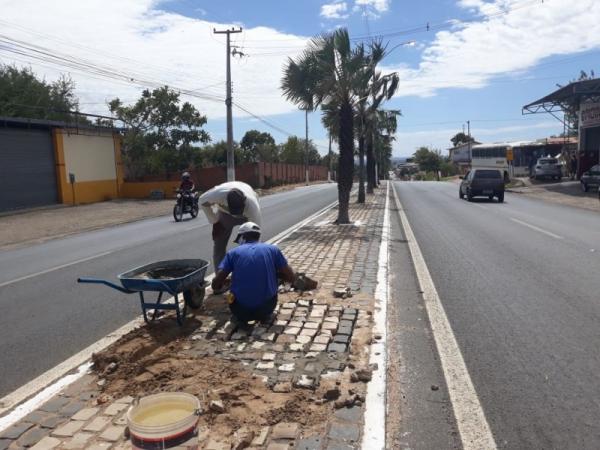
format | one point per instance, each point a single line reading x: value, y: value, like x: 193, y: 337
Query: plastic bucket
x: 163, y: 421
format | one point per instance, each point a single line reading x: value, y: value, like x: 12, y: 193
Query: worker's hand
x: 217, y: 230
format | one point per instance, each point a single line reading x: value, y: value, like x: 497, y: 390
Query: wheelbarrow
x: 177, y: 276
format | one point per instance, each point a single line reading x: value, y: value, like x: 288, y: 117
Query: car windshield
x: 548, y: 161
x: 488, y: 174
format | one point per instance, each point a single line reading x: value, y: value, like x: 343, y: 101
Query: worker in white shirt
x: 235, y: 203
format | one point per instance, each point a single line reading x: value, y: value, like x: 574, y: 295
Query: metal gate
x: 27, y: 168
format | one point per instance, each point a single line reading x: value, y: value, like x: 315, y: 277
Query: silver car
x: 547, y: 168
x: 591, y: 178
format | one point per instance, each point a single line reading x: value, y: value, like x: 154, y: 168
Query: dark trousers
x: 220, y: 243
x: 244, y: 314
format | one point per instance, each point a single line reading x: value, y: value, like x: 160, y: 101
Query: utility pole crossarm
x: 228, y: 103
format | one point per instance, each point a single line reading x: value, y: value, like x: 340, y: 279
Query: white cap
x: 247, y: 227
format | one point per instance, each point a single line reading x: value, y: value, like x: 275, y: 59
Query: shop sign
x: 589, y: 115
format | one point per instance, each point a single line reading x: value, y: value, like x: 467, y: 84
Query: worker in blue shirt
x: 255, y: 267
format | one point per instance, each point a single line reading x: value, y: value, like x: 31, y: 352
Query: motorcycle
x: 187, y: 203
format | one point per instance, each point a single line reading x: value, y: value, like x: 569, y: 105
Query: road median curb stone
x: 311, y: 347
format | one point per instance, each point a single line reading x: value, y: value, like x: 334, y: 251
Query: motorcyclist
x: 187, y: 184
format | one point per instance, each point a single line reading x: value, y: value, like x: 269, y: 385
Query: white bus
x: 492, y: 156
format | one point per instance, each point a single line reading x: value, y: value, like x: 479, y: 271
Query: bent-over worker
x: 236, y: 203
x: 255, y: 267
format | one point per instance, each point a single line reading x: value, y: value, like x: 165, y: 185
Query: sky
x: 458, y: 60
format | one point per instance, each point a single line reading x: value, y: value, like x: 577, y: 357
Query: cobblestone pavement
x: 315, y: 345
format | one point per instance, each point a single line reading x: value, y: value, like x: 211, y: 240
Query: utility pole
x: 470, y: 144
x: 330, y: 164
x: 306, y: 146
x: 228, y: 103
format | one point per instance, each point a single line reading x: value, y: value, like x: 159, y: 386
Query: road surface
x: 47, y: 316
x: 520, y: 284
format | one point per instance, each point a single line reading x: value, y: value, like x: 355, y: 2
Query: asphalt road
x: 46, y: 316
x: 520, y: 284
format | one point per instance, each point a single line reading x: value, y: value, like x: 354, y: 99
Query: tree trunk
x: 346, y: 162
x: 371, y: 182
x: 361, y: 169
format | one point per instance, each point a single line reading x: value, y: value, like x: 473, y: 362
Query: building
x: 460, y: 156
x: 580, y: 99
x: 48, y: 162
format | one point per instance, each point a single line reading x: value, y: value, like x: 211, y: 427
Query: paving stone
x: 295, y: 324
x: 304, y: 303
x: 345, y: 330
x: 329, y: 326
x: 341, y: 339
x: 286, y: 339
x: 350, y: 311
x: 16, y: 430
x: 313, y: 368
x: 99, y: 446
x: 353, y: 414
x: 344, y: 432
x: 241, y: 347
x: 268, y: 357
x: 113, y: 434
x: 293, y: 331
x: 309, y: 443
x: 128, y: 400
x: 78, y: 441
x: 283, y: 387
x: 319, y: 313
x: 47, y: 443
x: 52, y: 421
x: 308, y: 332
x: 278, y: 446
x: 269, y: 337
x: 281, y: 323
x: 257, y: 345
x: 4, y: 443
x: 318, y: 348
x: 71, y: 408
x: 285, y: 430
x: 261, y: 438
x: 346, y: 323
x: 121, y: 420
x: 336, y: 308
x: 32, y: 437
x: 313, y: 353
x: 298, y: 347
x: 305, y: 382
x: 68, y: 429
x: 85, y: 414
x: 312, y: 325
x: 336, y: 347
x: 36, y: 417
x: 265, y: 365
x: 55, y: 404
x: 288, y: 305
x: 98, y: 424
x: 332, y: 319
x: 326, y: 333
x: 114, y: 409
x: 286, y: 367
x: 337, y: 445
x: 239, y: 335
x: 322, y: 339
x: 303, y: 339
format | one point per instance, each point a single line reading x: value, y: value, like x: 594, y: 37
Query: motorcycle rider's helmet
x: 247, y: 228
x: 185, y: 176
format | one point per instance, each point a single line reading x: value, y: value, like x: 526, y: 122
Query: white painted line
x: 474, y: 429
x: 376, y: 405
x: 52, y: 269
x: 538, y: 229
x: 35, y: 393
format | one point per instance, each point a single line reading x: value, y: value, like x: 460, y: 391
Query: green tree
x: 334, y: 72
x: 293, y: 151
x: 461, y: 138
x: 215, y: 154
x: 259, y: 146
x: 22, y: 94
x: 160, y: 132
x: 428, y: 160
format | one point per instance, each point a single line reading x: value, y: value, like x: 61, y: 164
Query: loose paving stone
x: 308, y: 332
x: 68, y: 429
x: 341, y: 339
x: 85, y: 414
x: 78, y: 441
x: 268, y: 357
x: 344, y: 432
x: 353, y: 414
x: 113, y: 434
x: 47, y: 443
x: 285, y: 430
x: 265, y: 365
x: 55, y: 404
x: 303, y: 339
x: 304, y: 303
x: 336, y: 347
x: 241, y: 347
x: 286, y: 367
x: 16, y: 430
x: 293, y: 331
x: 260, y: 439
x: 305, y: 382
x: 322, y: 339
x: 312, y: 325
x: 32, y: 437
x: 98, y: 424
x: 329, y: 326
x: 317, y: 348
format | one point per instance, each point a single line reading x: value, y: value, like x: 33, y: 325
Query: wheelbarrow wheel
x: 194, y: 297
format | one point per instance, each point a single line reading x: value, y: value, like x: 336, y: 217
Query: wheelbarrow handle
x: 105, y: 282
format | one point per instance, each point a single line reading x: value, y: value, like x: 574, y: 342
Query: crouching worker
x: 255, y: 267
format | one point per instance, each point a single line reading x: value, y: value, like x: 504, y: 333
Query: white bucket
x: 163, y: 421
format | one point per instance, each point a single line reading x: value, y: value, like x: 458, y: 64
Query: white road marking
x: 474, y: 429
x: 52, y: 269
x: 376, y: 405
x: 36, y: 392
x: 538, y: 229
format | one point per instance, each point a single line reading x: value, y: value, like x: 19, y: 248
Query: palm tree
x: 333, y: 72
x: 386, y: 125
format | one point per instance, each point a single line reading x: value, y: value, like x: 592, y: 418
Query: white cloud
x: 471, y: 54
x: 336, y: 10
x: 139, y: 39
x: 374, y: 7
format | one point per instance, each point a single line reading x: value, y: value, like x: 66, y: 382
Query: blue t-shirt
x: 254, y: 266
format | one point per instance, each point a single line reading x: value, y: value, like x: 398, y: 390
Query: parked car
x: 547, y: 168
x: 482, y: 183
x: 590, y: 178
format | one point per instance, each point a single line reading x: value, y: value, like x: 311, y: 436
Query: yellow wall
x: 94, y: 158
x: 143, y: 189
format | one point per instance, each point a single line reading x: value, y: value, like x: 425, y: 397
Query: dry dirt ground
x: 40, y: 225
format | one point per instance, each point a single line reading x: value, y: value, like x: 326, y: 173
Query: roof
x: 43, y: 123
x: 573, y: 92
